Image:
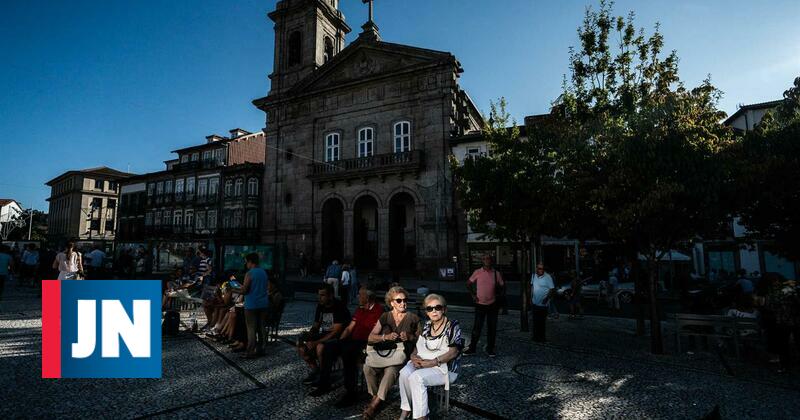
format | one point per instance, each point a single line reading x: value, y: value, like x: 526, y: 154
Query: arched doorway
x: 402, y: 232
x: 332, y: 231
x: 365, y: 232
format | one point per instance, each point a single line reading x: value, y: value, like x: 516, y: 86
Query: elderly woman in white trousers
x: 434, y: 361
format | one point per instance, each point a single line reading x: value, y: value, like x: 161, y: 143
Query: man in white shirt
x: 541, y: 290
x: 96, y: 258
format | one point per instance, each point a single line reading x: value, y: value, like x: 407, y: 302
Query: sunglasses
x: 398, y: 300
x: 437, y: 308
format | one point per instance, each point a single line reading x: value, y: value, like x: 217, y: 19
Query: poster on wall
x: 233, y: 256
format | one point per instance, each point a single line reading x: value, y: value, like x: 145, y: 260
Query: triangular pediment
x: 365, y: 60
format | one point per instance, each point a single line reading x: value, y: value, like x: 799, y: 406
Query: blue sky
x: 121, y: 83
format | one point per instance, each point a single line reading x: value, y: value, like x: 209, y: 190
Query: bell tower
x: 308, y: 33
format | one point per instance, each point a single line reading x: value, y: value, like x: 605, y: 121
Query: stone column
x: 383, y: 238
x: 347, y: 236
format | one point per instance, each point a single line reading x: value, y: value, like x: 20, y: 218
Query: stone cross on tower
x: 370, y: 9
x: 370, y: 28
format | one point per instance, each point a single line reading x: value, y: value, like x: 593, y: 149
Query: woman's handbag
x: 382, y: 355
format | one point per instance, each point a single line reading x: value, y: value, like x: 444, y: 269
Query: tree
x: 769, y: 176
x: 506, y: 192
x: 654, y: 147
x: 38, y: 229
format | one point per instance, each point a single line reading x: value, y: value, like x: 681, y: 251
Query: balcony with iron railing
x: 389, y: 163
x: 198, y: 164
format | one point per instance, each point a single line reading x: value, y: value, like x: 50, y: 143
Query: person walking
x: 484, y: 285
x: 256, y: 304
x: 333, y: 275
x: 541, y: 291
x: 69, y: 263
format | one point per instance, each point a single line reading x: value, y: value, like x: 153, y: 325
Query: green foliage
x: 769, y: 176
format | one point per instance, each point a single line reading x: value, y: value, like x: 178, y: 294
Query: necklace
x: 439, y: 340
x: 434, y: 328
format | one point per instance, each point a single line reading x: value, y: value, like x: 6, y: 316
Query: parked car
x: 591, y: 289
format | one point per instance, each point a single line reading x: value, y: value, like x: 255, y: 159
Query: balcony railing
x: 197, y: 164
x: 367, y: 166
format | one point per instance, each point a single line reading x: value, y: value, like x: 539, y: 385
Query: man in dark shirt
x: 350, y: 347
x: 330, y: 318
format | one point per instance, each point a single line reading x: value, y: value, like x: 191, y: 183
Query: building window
x: 96, y: 204
x: 112, y: 185
x: 202, y: 188
x: 332, y: 147
x: 328, y: 54
x: 168, y: 186
x: 228, y: 188
x: 167, y: 217
x: 473, y: 151
x: 252, y: 219
x: 295, y: 45
x: 151, y: 189
x: 219, y: 156
x: 365, y: 140
x: 226, y: 219
x: 237, y: 218
x: 402, y: 136
x: 98, y: 184
x: 201, y: 220
x: 148, y: 218
x: 195, y: 157
x: 237, y: 190
x: 184, y: 158
x: 252, y: 187
x: 178, y: 218
x: 111, y: 204
x: 212, y: 219
x: 160, y: 188
x: 207, y: 156
x: 213, y: 187
x: 157, y: 220
x: 189, y: 187
x: 178, y: 186
x: 188, y: 218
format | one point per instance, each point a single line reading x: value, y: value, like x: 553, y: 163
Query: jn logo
x: 101, y: 329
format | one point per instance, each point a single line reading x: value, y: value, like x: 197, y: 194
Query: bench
x: 717, y: 326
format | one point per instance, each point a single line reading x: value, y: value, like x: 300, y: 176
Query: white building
x: 9, y: 209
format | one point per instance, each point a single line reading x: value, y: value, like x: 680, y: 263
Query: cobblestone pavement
x: 592, y: 368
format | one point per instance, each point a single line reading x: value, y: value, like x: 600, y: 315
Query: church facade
x: 358, y: 139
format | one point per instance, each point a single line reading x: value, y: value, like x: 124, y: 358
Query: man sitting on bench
x: 350, y: 347
x: 329, y: 321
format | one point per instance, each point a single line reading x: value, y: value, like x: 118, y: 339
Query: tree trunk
x: 638, y: 292
x: 523, y: 284
x: 656, y: 342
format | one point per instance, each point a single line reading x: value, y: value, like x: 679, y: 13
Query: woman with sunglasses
x: 434, y: 361
x: 397, y: 325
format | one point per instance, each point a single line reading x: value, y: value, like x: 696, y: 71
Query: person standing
x: 484, y: 285
x: 69, y: 263
x: 30, y: 264
x: 256, y: 304
x: 333, y: 275
x: 96, y: 259
x: 344, y: 287
x: 541, y: 290
x: 576, y: 289
x: 303, y: 266
x: 6, y: 265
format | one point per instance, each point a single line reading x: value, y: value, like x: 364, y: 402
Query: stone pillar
x: 383, y: 238
x: 347, y: 236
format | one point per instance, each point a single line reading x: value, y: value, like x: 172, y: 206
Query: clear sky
x: 121, y: 83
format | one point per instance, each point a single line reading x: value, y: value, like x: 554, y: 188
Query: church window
x: 328, y: 53
x: 295, y: 48
x: 365, y: 141
x: 332, y: 147
x: 402, y: 136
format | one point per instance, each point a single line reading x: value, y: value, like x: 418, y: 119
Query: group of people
x: 238, y: 313
x: 341, y: 277
x: 395, y: 345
